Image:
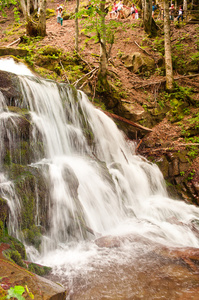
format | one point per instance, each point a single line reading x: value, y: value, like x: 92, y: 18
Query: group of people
x: 172, y: 12
x: 117, y: 11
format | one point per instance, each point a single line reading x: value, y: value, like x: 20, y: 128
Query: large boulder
x: 41, y: 288
x: 138, y: 63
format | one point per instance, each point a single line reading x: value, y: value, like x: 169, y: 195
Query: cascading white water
x: 111, y: 190
x: 120, y: 188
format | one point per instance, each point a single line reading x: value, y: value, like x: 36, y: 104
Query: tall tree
x: 41, y: 27
x: 167, y: 46
x: 76, y: 26
x: 185, y: 8
x: 150, y: 26
x: 102, y: 40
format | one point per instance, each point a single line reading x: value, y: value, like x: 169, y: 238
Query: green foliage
x: 194, y: 121
x: 193, y: 153
x: 191, y: 174
x: 158, y: 45
x: 39, y: 270
x: 92, y: 24
x: 15, y: 256
x: 32, y: 236
x: 195, y: 57
x: 30, y: 41
x: 7, y: 3
x: 16, y: 292
x: 194, y: 139
x: 15, y: 245
x: 50, y: 13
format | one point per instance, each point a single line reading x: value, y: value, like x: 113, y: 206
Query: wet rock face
x: 41, y: 288
x: 7, y: 87
x: 152, y: 272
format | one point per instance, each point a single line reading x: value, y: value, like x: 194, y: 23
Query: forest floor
x: 129, y: 38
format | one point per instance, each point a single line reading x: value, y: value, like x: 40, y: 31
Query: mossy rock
x: 50, y: 13
x: 15, y: 256
x: 138, y: 63
x: 50, y: 50
x: 33, y: 236
x: 38, y: 269
x: 4, y: 215
x: 13, y: 52
x: 67, y: 16
x: 15, y: 245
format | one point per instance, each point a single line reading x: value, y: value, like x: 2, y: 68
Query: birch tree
x: 167, y: 47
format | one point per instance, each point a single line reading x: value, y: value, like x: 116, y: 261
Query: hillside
x: 141, y: 96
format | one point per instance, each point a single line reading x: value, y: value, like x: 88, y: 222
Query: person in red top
x: 114, y: 10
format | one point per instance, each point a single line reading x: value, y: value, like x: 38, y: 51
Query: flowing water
x: 96, y: 184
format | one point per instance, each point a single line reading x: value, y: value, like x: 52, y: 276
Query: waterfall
x: 93, y: 176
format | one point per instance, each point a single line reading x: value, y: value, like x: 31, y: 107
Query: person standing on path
x: 59, y: 16
x: 180, y: 14
x: 172, y: 11
x: 133, y: 11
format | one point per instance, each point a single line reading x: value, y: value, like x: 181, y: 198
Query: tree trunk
x: 42, y: 19
x: 28, y: 7
x: 102, y: 38
x: 35, y: 4
x: 76, y: 27
x: 150, y: 26
x: 185, y: 9
x: 23, y: 7
x: 167, y: 45
x: 147, y: 15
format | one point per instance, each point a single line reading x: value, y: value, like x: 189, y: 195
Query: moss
x: 38, y: 269
x: 14, y: 244
x: 15, y: 256
x: 50, y: 13
x: 33, y: 236
x: 3, y: 217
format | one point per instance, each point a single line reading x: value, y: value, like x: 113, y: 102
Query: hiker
x: 172, y: 12
x: 154, y: 7
x: 180, y: 14
x: 59, y: 15
x: 133, y: 11
x: 119, y: 10
x: 136, y: 13
x: 114, y: 10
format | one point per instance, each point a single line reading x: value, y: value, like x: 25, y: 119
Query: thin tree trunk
x: 167, y: 46
x: 28, y: 8
x: 185, y: 9
x: 76, y: 27
x: 147, y: 16
x: 103, y: 52
x: 42, y: 18
x: 23, y: 7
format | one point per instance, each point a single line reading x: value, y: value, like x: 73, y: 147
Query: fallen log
x: 111, y: 115
x: 164, y: 80
x: 13, y: 51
